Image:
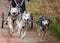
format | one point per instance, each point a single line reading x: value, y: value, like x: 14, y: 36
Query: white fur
x: 14, y: 10
x: 19, y: 24
x: 26, y: 15
x: 10, y: 24
x: 45, y: 22
x: 22, y: 32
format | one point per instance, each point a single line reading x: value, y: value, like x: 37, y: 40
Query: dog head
x: 45, y: 21
x: 14, y: 12
x: 26, y: 16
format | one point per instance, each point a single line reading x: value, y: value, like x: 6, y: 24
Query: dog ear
x: 24, y: 11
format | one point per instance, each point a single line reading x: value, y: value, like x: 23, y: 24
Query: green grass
x: 55, y: 27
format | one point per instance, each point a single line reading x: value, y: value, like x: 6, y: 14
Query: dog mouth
x: 14, y: 14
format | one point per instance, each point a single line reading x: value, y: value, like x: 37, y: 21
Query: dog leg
x: 39, y: 30
x: 16, y: 28
x: 25, y: 31
x: 18, y: 33
x: 41, y: 33
x: 7, y: 21
x: 42, y: 37
x: 22, y: 34
x: 11, y: 29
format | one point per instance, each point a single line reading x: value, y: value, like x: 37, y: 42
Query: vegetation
x: 55, y: 27
x: 47, y: 8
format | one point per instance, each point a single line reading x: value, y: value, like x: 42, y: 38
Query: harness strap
x: 21, y: 2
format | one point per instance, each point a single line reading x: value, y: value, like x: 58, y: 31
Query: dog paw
x: 18, y: 34
x: 22, y: 37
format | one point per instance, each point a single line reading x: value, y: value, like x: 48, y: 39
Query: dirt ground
x: 32, y: 35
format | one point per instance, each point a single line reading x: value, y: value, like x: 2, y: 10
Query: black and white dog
x: 18, y: 23
x: 43, y: 24
x: 12, y: 19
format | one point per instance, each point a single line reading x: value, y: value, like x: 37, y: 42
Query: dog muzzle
x: 45, y: 22
x: 14, y: 14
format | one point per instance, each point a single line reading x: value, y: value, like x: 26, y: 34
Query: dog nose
x: 46, y: 24
x: 27, y: 19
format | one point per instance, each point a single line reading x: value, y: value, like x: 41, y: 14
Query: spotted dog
x: 43, y: 24
x: 12, y: 20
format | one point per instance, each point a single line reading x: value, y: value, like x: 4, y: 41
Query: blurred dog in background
x: 43, y: 24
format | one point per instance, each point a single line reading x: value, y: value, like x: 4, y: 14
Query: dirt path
x: 32, y: 36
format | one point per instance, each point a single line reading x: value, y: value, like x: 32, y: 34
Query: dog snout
x: 14, y: 13
x: 27, y: 19
x: 46, y: 24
